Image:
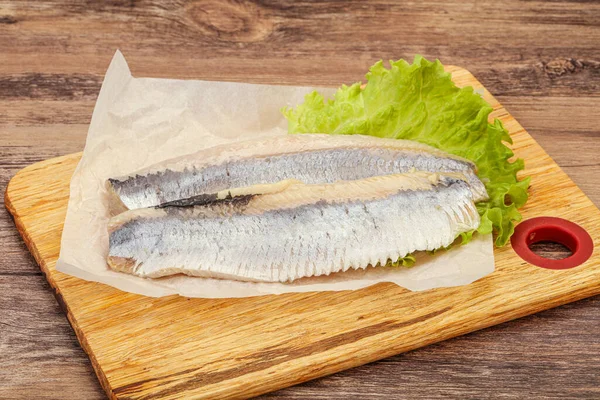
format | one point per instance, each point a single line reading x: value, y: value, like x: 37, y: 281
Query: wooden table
x: 540, y: 59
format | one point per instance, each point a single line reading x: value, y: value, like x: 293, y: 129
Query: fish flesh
x: 297, y: 230
x: 300, y: 231
x: 207, y: 175
x: 310, y: 158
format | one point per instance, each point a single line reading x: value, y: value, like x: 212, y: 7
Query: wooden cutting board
x: 177, y: 347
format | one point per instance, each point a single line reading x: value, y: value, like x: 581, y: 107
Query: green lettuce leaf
x: 420, y: 102
x: 404, y: 262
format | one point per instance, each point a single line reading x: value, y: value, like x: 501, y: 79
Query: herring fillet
x: 310, y: 158
x: 301, y: 231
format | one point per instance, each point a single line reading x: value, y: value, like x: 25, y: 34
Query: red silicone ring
x: 557, y: 230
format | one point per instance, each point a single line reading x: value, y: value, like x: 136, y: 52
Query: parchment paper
x: 141, y: 121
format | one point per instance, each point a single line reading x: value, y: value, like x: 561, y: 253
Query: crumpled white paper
x: 140, y: 121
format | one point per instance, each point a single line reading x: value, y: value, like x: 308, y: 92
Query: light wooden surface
x: 540, y: 59
x: 178, y: 347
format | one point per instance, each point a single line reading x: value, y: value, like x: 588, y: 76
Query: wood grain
x: 178, y: 347
x: 54, y: 53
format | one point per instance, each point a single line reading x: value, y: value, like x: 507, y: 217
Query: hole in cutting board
x: 536, y: 239
x: 550, y: 250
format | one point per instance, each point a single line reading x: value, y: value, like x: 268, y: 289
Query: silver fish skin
x: 310, y: 158
x: 300, y: 231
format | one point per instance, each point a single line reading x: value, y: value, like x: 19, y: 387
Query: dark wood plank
x: 541, y: 59
x: 39, y: 354
x: 20, y: 147
x: 546, y: 47
x: 567, y: 128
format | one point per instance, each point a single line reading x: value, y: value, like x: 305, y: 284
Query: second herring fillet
x: 310, y: 158
x: 301, y: 231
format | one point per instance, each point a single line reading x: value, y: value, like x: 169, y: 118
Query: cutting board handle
x: 557, y: 230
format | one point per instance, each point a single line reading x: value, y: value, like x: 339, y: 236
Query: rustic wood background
x: 540, y: 59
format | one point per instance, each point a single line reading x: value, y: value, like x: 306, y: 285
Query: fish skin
x: 302, y: 231
x: 310, y: 158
